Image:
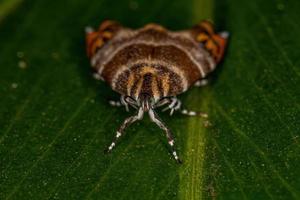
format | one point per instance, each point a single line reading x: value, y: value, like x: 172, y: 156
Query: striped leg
x: 122, y: 128
x: 124, y: 103
x: 162, y: 102
x: 169, y: 135
x: 176, y: 105
x: 193, y: 113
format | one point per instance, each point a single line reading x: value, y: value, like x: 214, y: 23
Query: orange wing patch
x: 96, y: 39
x: 215, y: 43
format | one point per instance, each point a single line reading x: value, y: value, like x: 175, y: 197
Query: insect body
x: 150, y: 66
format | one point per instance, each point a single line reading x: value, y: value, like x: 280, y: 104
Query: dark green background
x: 55, y: 120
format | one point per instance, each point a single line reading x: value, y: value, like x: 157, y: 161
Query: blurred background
x: 55, y: 120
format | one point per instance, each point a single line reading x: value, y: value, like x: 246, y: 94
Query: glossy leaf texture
x: 55, y: 120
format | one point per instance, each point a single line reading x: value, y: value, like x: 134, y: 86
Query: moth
x: 150, y: 66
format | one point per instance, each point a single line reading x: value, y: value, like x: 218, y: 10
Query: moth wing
x: 215, y: 43
x: 96, y: 39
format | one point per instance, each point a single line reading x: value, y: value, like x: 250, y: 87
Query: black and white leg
x: 122, y: 128
x: 123, y: 102
x: 156, y: 120
x: 174, y: 104
x: 162, y: 102
x: 119, y: 103
x: 193, y: 113
x: 201, y: 83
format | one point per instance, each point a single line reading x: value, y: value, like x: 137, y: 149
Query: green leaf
x: 55, y: 120
x: 255, y: 102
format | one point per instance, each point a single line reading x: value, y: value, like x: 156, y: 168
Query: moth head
x: 144, y: 101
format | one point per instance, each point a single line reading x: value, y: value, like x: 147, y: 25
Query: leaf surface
x: 55, y: 120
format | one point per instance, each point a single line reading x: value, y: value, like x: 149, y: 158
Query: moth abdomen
x: 156, y: 80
